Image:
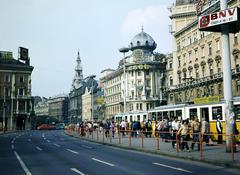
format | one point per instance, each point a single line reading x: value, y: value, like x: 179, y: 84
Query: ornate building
x: 197, y: 56
x: 137, y: 84
x: 78, y: 89
x: 15, y: 90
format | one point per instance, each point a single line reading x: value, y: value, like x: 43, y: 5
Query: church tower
x: 78, y: 78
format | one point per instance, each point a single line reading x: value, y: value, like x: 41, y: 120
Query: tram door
x: 204, y: 113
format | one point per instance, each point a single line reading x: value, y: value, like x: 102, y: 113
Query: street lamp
x: 92, y: 77
x: 124, y: 50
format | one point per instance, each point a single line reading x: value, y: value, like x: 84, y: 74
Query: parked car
x: 60, y: 126
x: 45, y: 127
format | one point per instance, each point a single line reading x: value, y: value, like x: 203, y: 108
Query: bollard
x: 201, y: 146
x: 232, y: 149
x: 130, y: 143
x: 158, y: 145
x: 103, y: 135
x: 97, y: 135
x: 119, y: 138
x: 177, y: 142
x: 110, y: 135
x: 142, y: 140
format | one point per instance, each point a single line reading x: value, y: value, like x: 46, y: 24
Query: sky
x: 54, y: 31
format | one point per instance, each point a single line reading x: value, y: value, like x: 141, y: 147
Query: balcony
x: 24, y: 97
x: 192, y: 83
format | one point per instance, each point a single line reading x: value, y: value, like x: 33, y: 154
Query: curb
x: 229, y: 164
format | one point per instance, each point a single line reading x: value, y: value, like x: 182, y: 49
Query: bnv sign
x: 217, y: 18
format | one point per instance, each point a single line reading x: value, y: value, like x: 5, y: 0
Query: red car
x: 45, y: 127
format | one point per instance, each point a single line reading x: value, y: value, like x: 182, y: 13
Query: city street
x: 53, y: 152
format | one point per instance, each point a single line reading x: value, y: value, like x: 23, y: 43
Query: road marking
x: 48, y: 141
x: 56, y: 145
x: 62, y: 139
x: 77, y: 171
x: 38, y: 148
x: 85, y: 146
x: 29, y: 140
x: 75, y: 152
x: 103, y: 162
x: 175, y: 168
x: 22, y: 164
x: 12, y: 146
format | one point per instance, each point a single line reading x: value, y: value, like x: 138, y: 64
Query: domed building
x: 136, y: 85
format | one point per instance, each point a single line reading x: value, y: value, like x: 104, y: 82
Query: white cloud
x: 155, y: 20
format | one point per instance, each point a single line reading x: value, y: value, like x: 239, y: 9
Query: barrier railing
x: 165, y: 141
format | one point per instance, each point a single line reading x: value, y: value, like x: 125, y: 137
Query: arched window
x: 147, y: 43
x: 138, y: 43
x: 170, y: 81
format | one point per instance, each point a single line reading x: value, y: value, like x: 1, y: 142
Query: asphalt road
x: 53, y: 152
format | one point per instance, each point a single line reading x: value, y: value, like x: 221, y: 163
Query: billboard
x: 23, y: 53
x: 213, y: 21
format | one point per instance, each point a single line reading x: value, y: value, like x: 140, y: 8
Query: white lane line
x: 48, y: 141
x: 85, y: 146
x: 29, y: 140
x: 22, y: 164
x: 38, y: 148
x: 75, y: 152
x: 171, y: 167
x: 103, y: 162
x: 12, y: 146
x: 57, y: 145
x: 77, y: 171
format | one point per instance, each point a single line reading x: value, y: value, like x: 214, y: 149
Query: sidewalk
x: 211, y: 154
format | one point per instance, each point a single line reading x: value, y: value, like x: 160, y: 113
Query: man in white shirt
x: 175, y: 128
x: 123, y: 127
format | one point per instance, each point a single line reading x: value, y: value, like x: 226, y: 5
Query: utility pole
x: 227, y: 79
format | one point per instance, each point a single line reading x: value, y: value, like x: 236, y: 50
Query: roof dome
x: 142, y: 41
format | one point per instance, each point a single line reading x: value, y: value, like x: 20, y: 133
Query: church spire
x: 78, y: 78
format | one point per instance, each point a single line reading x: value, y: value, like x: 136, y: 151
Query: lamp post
x: 124, y: 50
x: 92, y: 77
x: 4, y: 108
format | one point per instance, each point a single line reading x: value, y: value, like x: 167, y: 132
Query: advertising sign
x: 212, y: 22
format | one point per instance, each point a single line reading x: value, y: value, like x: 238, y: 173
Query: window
x: 196, y: 53
x: 190, y: 56
x: 216, y: 111
x: 203, y: 71
x: 218, y: 45
x: 20, y: 91
x: 212, y: 90
x: 197, y: 73
x: 211, y: 69
x: 179, y: 61
x: 7, y: 78
x: 179, y: 79
x: 210, y: 49
x: 21, y: 79
x: 7, y: 92
x: 171, y: 97
x: 184, y: 58
x: 171, y: 81
x: 235, y: 39
x: 238, y: 85
x: 220, y: 89
x: 192, y: 112
x: 202, y: 35
x: 178, y: 46
x: 170, y: 65
x: 139, y: 73
x: 140, y: 106
x: 203, y: 53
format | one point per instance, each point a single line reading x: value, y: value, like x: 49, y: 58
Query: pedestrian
x: 205, y: 131
x: 123, y: 127
x: 112, y: 128
x: 175, y: 128
x: 196, y: 131
x: 183, y: 132
x: 219, y: 129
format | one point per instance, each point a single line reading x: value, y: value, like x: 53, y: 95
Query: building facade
x: 197, y: 56
x: 15, y: 91
x: 137, y: 84
x: 58, y: 107
x: 42, y: 108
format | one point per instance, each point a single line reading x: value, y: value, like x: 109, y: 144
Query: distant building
x: 15, y: 90
x: 58, y: 107
x: 42, y: 108
x: 78, y: 89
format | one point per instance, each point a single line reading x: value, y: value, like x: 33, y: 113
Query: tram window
x: 237, y: 111
x: 165, y: 114
x: 138, y: 117
x: 192, y: 112
x: 171, y: 114
x: 179, y: 113
x: 125, y: 118
x: 159, y: 116
x: 216, y: 111
x: 144, y: 117
x: 131, y: 118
